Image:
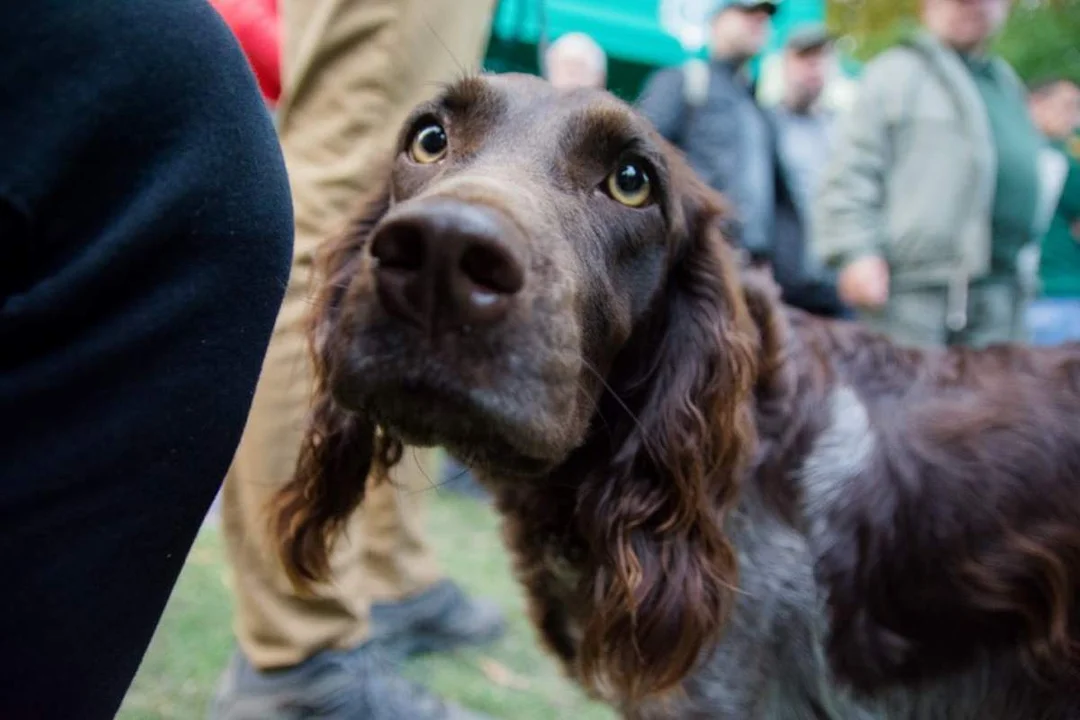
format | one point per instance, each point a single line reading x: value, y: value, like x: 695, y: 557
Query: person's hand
x: 864, y: 283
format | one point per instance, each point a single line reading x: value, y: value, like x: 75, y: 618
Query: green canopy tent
x: 638, y: 35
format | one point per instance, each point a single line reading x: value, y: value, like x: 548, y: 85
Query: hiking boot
x: 439, y: 619
x: 332, y: 685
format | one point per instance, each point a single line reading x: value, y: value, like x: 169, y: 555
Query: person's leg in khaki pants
x: 414, y: 610
x: 351, y: 71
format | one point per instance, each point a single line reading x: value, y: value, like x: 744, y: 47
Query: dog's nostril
x: 402, y: 249
x: 447, y: 265
x: 493, y: 270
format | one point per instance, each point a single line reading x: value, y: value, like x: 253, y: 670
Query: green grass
x: 512, y: 679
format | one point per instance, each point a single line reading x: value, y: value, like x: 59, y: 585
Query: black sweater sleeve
x: 145, y: 243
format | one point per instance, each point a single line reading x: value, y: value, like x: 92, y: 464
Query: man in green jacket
x: 933, y: 188
x: 1055, y: 316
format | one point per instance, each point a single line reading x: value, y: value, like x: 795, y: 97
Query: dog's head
x: 544, y: 278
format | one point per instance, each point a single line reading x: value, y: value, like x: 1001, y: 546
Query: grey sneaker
x: 355, y: 685
x: 439, y: 619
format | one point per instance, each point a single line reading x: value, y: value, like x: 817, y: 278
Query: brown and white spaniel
x: 719, y: 507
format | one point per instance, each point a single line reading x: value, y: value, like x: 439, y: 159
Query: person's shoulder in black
x: 662, y: 101
x: 147, y: 229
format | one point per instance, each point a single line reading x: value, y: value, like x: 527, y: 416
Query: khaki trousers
x: 351, y: 71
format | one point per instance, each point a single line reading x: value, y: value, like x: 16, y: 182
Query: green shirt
x: 1059, y: 267
x: 1017, y: 144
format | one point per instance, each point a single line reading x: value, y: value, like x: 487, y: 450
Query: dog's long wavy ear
x: 341, y: 449
x: 665, y: 573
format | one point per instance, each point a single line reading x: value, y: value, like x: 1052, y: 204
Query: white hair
x: 581, y: 45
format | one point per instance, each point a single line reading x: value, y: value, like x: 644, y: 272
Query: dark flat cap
x: 769, y: 6
x: 808, y: 36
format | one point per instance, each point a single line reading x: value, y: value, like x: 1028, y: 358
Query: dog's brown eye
x: 429, y: 144
x: 630, y: 184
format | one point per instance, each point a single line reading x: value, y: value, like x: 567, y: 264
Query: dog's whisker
x: 594, y: 403
x: 646, y: 441
x: 445, y: 47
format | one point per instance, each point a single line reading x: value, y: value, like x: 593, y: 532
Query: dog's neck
x: 808, y: 370
x: 541, y: 513
x: 805, y: 374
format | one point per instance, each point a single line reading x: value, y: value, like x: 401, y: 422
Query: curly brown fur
x: 308, y: 512
x: 718, y: 507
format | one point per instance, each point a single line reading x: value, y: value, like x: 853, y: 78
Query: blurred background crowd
x: 909, y: 163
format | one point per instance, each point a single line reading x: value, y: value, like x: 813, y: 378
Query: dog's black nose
x: 446, y: 264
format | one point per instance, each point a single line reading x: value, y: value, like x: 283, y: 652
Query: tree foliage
x: 1041, y: 38
x: 870, y: 26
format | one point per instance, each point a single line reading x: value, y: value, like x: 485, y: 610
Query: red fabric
x: 255, y: 24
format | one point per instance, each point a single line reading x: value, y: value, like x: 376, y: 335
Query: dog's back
x: 889, y: 478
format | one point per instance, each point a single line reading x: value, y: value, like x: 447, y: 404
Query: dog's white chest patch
x: 838, y: 456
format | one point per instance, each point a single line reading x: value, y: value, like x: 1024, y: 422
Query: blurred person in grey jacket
x: 933, y: 187
x: 709, y: 110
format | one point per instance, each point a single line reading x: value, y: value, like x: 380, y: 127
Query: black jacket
x: 146, y: 231
x: 713, y: 137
